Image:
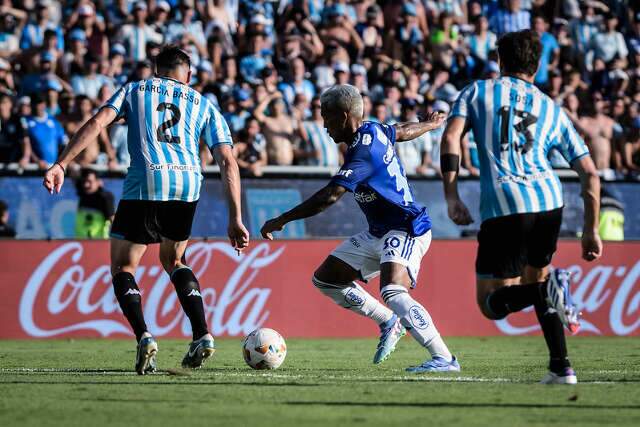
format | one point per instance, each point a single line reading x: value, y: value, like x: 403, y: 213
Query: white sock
x: 353, y: 297
x: 416, y: 319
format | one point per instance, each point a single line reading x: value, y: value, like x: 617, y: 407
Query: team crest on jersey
x: 366, y: 139
x: 388, y: 156
x: 356, y: 140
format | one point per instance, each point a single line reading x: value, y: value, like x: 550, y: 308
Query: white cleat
x: 568, y: 377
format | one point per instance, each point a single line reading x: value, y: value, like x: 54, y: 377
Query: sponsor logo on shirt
x: 362, y: 197
x: 525, y: 178
x: 345, y: 173
x: 172, y: 167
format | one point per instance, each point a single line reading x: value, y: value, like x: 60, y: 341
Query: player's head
x: 519, y: 53
x: 342, y: 110
x: 175, y: 63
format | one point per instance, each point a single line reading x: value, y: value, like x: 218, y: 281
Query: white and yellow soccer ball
x: 264, y: 348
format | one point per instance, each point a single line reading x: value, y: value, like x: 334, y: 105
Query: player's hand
x: 458, y: 212
x: 436, y: 119
x: 238, y: 235
x: 54, y: 178
x: 591, y: 246
x: 270, y: 226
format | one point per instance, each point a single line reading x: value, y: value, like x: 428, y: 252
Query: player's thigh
x: 172, y: 254
x: 543, y: 239
x: 135, y: 221
x: 485, y: 287
x: 125, y: 255
x: 354, y: 259
x: 502, y: 247
x: 400, y: 257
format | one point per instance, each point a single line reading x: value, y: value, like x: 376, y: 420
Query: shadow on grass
x: 465, y: 405
x: 172, y: 383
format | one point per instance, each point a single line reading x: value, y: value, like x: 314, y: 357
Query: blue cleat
x: 437, y: 364
x: 390, y: 333
x: 146, y: 355
x: 559, y: 299
x: 199, y: 351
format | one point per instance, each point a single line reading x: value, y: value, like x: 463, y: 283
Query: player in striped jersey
x: 166, y: 120
x: 515, y: 126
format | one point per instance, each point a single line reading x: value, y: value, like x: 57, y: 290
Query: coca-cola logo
x: 594, y: 290
x: 235, y: 306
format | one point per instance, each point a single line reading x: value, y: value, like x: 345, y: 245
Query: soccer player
x: 399, y: 232
x: 515, y: 127
x: 166, y: 120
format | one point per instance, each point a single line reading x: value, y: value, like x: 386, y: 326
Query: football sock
x: 554, y: 336
x: 353, y: 297
x: 511, y: 299
x: 416, y: 319
x: 188, y: 290
x: 130, y: 300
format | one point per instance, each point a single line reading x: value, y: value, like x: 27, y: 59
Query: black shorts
x: 508, y: 243
x: 148, y: 221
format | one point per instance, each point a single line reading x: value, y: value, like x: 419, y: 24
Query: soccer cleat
x: 567, y: 377
x: 390, y: 333
x: 146, y: 355
x: 199, y: 351
x: 437, y: 364
x: 559, y: 299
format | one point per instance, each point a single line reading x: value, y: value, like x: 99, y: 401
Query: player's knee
x: 485, y: 309
x: 169, y: 262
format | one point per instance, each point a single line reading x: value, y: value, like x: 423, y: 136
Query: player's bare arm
x: 408, y: 131
x: 449, y: 162
x: 89, y: 132
x: 230, y: 175
x: 590, y: 182
x: 315, y: 204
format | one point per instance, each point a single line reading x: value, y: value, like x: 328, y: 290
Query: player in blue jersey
x: 399, y: 232
x: 515, y: 127
x: 166, y: 120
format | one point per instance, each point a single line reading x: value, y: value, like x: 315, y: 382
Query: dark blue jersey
x: 372, y: 172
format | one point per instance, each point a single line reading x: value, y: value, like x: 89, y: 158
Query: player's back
x: 166, y: 120
x: 515, y: 126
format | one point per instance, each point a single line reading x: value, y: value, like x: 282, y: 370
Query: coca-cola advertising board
x: 63, y: 289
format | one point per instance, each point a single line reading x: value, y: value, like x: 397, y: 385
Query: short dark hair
x: 519, y: 52
x: 171, y: 57
x: 87, y: 172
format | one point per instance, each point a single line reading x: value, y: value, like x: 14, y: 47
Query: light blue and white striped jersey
x: 166, y: 120
x: 321, y: 142
x: 515, y: 126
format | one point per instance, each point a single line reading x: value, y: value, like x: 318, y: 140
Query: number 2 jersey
x: 515, y: 126
x: 372, y: 172
x: 166, y: 120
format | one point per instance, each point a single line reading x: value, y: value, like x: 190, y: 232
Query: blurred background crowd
x: 265, y: 63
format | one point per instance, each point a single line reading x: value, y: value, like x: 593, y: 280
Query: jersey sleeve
x: 568, y: 142
x: 461, y: 106
x: 390, y: 132
x: 216, y: 131
x: 356, y: 169
x: 116, y: 102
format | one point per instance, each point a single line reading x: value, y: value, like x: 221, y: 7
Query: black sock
x: 554, y: 336
x: 511, y: 299
x: 128, y: 295
x: 188, y: 290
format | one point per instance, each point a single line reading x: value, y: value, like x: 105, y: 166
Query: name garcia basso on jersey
x: 188, y: 95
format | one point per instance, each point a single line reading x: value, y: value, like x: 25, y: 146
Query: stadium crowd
x: 265, y: 63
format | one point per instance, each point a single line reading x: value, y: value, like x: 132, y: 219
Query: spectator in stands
x: 511, y: 18
x: 598, y: 131
x: 14, y: 143
x: 297, y: 84
x: 11, y: 21
x: 33, y: 32
x: 84, y: 19
x: 251, y: 149
x: 414, y: 155
x: 137, y: 35
x: 278, y: 128
x: 339, y: 31
x: 45, y: 134
x: 609, y: 44
x: 550, y: 51
x: 36, y: 82
x: 252, y: 64
x: 6, y: 231
x: 95, y: 207
x: 90, y: 81
x: 316, y: 147
x: 482, y: 41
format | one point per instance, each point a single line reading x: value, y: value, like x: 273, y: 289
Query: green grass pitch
x: 322, y: 383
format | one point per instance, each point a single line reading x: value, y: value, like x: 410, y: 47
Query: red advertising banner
x: 63, y: 289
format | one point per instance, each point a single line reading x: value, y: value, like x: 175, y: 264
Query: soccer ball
x: 264, y: 348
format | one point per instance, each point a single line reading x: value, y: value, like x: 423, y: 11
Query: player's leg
x: 400, y: 258
x: 174, y: 220
x: 336, y: 278
x: 129, y: 239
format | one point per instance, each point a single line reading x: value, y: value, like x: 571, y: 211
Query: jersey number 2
x: 175, y: 118
x: 522, y: 127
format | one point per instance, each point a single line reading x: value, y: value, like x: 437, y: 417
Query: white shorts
x: 365, y: 252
